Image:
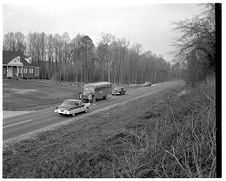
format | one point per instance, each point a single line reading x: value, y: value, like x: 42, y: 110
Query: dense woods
x: 196, y: 48
x: 77, y: 59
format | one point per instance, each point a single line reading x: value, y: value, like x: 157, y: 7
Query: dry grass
x: 183, y: 143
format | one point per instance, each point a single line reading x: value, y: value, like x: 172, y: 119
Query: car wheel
x: 87, y: 109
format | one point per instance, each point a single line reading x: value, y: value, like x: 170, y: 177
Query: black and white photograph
x: 111, y: 89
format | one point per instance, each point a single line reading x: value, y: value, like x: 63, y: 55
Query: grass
x: 23, y: 95
x: 158, y: 136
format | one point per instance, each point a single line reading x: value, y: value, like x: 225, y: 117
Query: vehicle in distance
x: 99, y: 90
x: 119, y: 91
x: 72, y: 106
x: 146, y: 84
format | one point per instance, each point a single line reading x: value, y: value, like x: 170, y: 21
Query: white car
x: 72, y: 106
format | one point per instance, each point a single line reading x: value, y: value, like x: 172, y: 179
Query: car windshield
x: 69, y: 103
x: 88, y: 88
x: 117, y: 88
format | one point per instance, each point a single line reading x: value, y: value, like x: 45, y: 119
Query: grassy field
x: 23, y: 95
x: 34, y: 94
x: 158, y: 136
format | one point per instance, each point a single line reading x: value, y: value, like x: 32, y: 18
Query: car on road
x: 119, y: 91
x: 146, y: 84
x: 72, y: 107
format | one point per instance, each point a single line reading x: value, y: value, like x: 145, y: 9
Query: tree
x: 50, y: 55
x: 86, y: 50
x: 9, y: 42
x: 20, y: 42
x: 76, y: 55
x: 198, y: 40
x: 135, y: 57
x: 104, y: 51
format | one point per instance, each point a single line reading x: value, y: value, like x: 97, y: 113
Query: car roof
x: 96, y: 84
x: 75, y: 100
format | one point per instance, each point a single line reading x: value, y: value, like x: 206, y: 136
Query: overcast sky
x: 144, y: 23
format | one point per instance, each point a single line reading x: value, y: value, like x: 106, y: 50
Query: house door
x: 19, y: 73
x: 15, y: 71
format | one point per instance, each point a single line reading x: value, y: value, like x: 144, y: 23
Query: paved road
x: 36, y: 121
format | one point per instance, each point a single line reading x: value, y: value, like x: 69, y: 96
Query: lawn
x: 34, y: 94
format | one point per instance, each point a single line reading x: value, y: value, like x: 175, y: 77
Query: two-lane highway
x: 40, y: 120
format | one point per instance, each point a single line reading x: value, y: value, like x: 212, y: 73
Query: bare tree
x: 9, y: 42
x: 104, y: 52
x: 86, y: 48
x: 197, y: 42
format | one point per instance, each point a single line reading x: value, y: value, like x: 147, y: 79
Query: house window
x: 31, y: 70
x: 4, y: 70
x: 25, y: 70
x: 19, y: 69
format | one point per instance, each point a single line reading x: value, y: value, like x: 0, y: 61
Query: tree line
x: 78, y: 59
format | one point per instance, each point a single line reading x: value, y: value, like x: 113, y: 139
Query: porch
x: 12, y: 71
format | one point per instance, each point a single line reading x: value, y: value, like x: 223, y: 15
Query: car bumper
x: 85, y: 98
x: 62, y: 111
x: 116, y: 93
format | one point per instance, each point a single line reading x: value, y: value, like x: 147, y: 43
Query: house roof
x: 10, y: 55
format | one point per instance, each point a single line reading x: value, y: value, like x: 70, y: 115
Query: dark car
x: 119, y: 91
x: 146, y: 84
